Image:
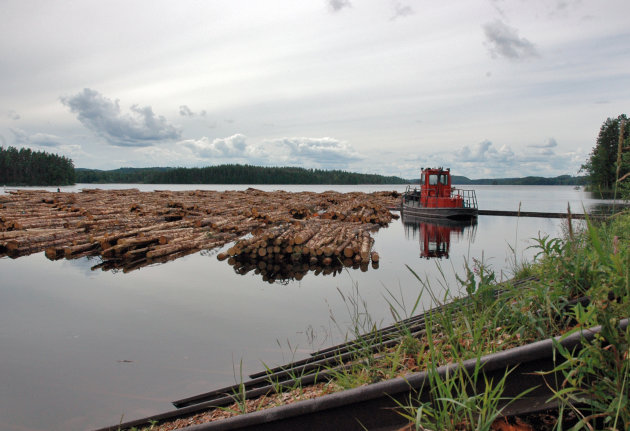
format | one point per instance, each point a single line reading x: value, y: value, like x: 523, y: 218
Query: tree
x: 602, y: 164
x: 34, y: 168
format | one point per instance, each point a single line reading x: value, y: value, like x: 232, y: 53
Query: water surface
x: 81, y: 348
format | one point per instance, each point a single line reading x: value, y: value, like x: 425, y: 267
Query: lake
x: 83, y: 348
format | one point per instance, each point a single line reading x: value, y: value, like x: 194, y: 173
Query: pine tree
x: 601, y: 166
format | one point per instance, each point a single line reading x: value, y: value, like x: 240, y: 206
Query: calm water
x: 81, y: 348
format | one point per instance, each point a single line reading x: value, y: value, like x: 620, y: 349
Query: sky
x: 489, y: 88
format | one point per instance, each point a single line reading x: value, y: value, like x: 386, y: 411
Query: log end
x: 222, y: 256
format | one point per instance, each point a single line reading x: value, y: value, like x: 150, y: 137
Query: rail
x: 469, y: 197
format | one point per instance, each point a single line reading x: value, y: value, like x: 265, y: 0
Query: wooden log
x: 222, y: 256
x: 177, y: 246
x: 305, y: 234
x: 54, y: 253
x: 80, y: 248
x: 343, y: 245
x: 365, y: 248
x: 34, y: 247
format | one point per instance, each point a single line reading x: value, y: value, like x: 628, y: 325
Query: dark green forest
x: 34, y: 168
x: 231, y: 174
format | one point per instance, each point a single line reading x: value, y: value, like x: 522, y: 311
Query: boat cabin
x: 435, y: 189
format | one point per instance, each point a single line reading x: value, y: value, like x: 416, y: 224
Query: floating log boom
x: 129, y: 229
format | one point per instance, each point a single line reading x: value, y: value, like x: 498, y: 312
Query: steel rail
x: 376, y: 406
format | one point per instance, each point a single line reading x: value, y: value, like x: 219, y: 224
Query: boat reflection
x: 434, y: 235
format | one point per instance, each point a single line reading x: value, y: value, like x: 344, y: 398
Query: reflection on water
x: 284, y: 272
x: 434, y: 235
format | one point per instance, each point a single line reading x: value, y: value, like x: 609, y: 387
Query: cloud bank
x: 38, y: 139
x: 485, y: 160
x: 295, y: 151
x: 141, y: 127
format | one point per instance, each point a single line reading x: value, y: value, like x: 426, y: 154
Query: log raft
x: 279, y: 234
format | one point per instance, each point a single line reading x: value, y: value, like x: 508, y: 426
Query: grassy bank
x: 580, y: 281
x: 575, y: 282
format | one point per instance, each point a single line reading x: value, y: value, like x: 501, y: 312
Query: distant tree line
x: 562, y: 180
x: 34, y: 168
x: 231, y: 174
x: 609, y: 160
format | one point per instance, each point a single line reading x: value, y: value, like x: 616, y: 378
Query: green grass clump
x: 593, y: 263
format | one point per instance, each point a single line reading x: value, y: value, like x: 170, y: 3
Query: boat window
x: 422, y: 178
x: 433, y: 179
x: 444, y: 179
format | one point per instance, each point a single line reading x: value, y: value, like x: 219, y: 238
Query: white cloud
x: 318, y: 151
x: 234, y: 146
x: 185, y: 111
x: 13, y: 115
x: 504, y: 41
x: 24, y: 139
x: 295, y: 151
x: 337, y: 5
x: 401, y: 10
x: 45, y: 142
x: 485, y: 152
x: 551, y: 143
x: 141, y: 127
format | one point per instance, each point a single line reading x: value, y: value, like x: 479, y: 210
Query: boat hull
x: 439, y: 213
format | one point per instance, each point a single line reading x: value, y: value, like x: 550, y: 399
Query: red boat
x: 437, y: 198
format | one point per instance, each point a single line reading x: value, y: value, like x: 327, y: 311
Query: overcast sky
x: 489, y: 88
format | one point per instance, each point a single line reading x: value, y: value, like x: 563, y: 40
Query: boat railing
x: 469, y: 197
x: 411, y: 195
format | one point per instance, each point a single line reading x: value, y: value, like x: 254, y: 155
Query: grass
x: 594, y: 380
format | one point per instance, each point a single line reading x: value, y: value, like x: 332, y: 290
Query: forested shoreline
x: 231, y: 174
x: 248, y: 174
x: 561, y: 180
x: 25, y: 167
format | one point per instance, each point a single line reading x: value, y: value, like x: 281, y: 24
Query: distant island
x: 249, y: 174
